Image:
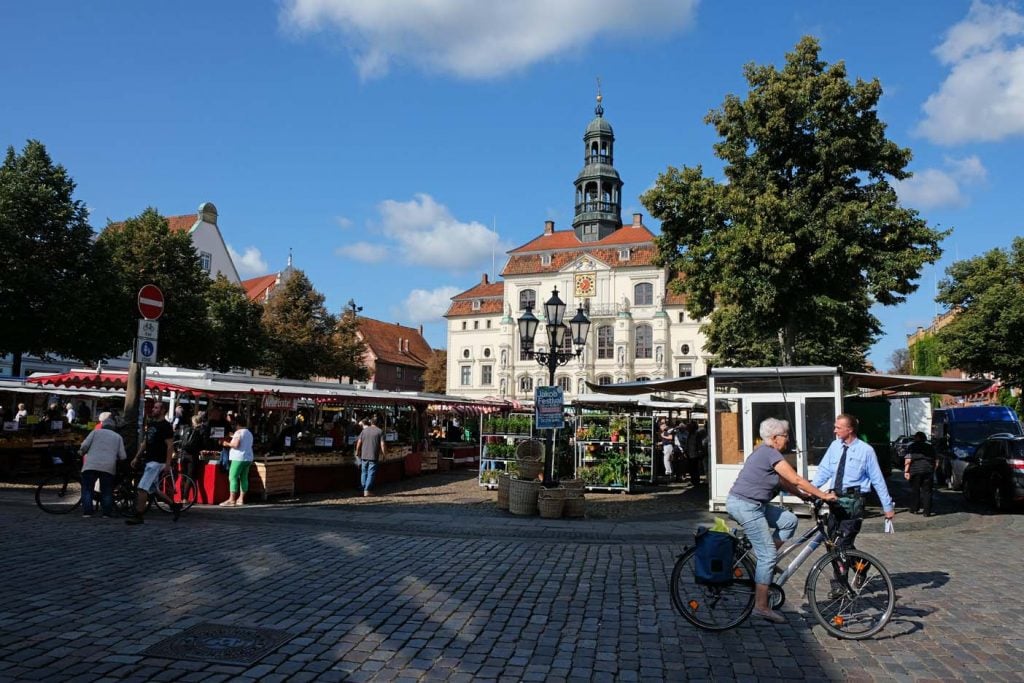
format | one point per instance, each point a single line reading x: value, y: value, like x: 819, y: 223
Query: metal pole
x: 549, y: 451
x: 142, y: 404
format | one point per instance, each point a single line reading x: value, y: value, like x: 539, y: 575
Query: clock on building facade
x: 586, y: 284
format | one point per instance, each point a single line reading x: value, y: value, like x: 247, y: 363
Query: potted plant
x: 617, y: 426
x: 591, y: 476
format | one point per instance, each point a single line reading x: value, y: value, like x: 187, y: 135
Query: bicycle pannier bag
x: 714, y: 556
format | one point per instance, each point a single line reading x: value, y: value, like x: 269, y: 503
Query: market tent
x: 659, y: 402
x: 852, y: 380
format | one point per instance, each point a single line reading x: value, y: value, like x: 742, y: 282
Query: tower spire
x: 598, y: 186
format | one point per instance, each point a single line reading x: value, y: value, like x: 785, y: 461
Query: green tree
x: 987, y: 292
x: 301, y: 334
x: 786, y: 257
x: 236, y: 337
x: 435, y: 377
x: 900, y: 362
x: 349, y: 349
x: 47, y: 270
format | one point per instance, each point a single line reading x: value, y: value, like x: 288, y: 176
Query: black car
x: 899, y: 448
x: 995, y: 472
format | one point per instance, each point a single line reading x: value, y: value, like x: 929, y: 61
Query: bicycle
x: 850, y: 609
x: 61, y: 491
x: 177, y: 487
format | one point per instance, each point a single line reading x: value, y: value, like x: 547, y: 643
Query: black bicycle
x: 61, y: 491
x: 849, y: 592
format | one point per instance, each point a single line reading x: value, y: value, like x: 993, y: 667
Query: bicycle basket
x: 713, y: 557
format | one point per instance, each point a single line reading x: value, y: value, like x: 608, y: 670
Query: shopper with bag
x: 768, y: 526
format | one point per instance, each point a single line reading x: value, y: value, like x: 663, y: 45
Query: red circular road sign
x: 151, y: 302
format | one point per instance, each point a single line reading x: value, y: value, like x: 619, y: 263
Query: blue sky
x: 394, y: 146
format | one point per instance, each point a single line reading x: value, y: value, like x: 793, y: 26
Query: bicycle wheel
x: 59, y: 494
x: 124, y: 500
x: 179, y: 488
x: 712, y: 607
x: 853, y: 607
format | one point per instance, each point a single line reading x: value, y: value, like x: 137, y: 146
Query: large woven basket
x: 530, y: 459
x: 522, y: 496
x: 577, y: 484
x: 503, y: 485
x: 575, y: 504
x: 550, y: 503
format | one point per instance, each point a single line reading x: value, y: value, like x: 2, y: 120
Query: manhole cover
x: 221, y: 643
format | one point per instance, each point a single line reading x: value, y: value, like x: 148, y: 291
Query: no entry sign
x: 151, y: 302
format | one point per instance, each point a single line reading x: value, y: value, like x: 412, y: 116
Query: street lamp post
x: 554, y: 356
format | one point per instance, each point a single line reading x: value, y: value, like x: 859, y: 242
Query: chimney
x: 483, y: 280
x: 638, y: 220
x: 549, y: 227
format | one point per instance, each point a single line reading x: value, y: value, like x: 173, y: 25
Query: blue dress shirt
x: 861, y: 470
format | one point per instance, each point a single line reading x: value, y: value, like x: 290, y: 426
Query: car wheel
x: 953, y: 481
x: 969, y: 494
x: 999, y: 499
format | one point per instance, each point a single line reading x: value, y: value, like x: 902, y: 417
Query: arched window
x: 644, y: 341
x: 605, y: 342
x: 604, y: 379
x: 565, y: 383
x: 643, y: 294
x: 643, y: 379
x: 525, y: 384
x: 527, y: 299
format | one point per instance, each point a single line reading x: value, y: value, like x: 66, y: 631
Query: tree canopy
x: 235, y: 328
x: 46, y: 261
x: 435, y: 377
x: 785, y: 258
x: 987, y: 293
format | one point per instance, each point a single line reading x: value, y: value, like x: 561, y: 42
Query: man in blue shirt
x: 857, y: 468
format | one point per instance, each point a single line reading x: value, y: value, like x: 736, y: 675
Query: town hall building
x: 639, y: 330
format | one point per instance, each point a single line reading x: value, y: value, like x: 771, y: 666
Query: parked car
x: 995, y: 472
x: 957, y: 433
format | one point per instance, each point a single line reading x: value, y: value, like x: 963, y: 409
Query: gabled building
x: 396, y: 356
x: 639, y: 330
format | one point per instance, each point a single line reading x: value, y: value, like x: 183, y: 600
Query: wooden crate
x: 272, y: 476
x: 429, y: 463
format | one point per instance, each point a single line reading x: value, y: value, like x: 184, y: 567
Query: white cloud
x: 474, y: 39
x: 423, y: 232
x: 982, y: 98
x: 424, y: 306
x: 935, y: 188
x: 250, y: 263
x: 343, y: 222
x: 364, y: 251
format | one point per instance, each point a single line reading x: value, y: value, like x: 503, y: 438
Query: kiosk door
x: 790, y: 410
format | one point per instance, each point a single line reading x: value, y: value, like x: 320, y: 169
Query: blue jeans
x: 758, y: 520
x: 367, y: 471
x: 106, y: 479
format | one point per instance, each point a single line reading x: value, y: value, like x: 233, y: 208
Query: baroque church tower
x: 598, y: 186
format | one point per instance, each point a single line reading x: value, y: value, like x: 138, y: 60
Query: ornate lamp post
x: 578, y: 327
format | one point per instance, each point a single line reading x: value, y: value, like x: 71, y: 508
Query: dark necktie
x: 837, y: 485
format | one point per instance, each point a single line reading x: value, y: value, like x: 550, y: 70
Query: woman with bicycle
x: 768, y: 526
x: 102, y: 449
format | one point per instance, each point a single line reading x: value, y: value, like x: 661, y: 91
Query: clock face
x: 585, y: 284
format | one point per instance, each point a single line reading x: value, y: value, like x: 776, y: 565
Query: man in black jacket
x: 919, y: 469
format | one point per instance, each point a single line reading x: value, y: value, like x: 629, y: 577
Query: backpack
x: 713, y: 558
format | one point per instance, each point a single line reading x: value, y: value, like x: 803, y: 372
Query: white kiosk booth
x: 809, y: 397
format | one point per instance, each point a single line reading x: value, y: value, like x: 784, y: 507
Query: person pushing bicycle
x: 158, y: 451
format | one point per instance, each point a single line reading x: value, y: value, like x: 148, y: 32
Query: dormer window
x: 476, y: 304
x: 545, y: 259
x: 624, y: 254
x: 205, y: 261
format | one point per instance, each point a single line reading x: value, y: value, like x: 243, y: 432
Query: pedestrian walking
x: 369, y: 449
x: 157, y: 452
x: 919, y: 469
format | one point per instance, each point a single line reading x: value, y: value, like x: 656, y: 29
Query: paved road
x: 386, y: 593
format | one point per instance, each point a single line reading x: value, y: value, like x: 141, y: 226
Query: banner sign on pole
x: 548, y: 405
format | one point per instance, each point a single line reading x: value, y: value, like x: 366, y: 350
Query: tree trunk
x: 132, y: 397
x: 16, y: 364
x: 786, y: 335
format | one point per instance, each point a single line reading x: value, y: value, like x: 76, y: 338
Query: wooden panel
x: 727, y: 440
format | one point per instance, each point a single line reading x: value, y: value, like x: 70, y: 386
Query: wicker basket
x: 503, y: 485
x: 529, y: 460
x: 550, y: 503
x: 522, y: 496
x: 572, y: 484
x: 528, y: 470
x: 575, y: 505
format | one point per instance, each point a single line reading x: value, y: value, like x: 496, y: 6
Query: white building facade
x: 639, y: 329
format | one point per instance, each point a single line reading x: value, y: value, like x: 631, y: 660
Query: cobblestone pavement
x: 386, y: 590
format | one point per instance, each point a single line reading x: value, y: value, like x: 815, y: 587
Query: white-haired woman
x: 768, y: 526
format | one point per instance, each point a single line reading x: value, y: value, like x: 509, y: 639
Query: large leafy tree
x: 786, y: 257
x: 987, y: 292
x: 301, y: 333
x: 236, y: 337
x: 47, y: 270
x: 435, y: 377
x: 143, y: 250
x: 350, y: 349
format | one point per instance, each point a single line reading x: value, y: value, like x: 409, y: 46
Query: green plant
x: 489, y: 476
x: 589, y: 475
x: 618, y: 423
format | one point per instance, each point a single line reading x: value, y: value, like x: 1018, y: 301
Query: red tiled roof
x: 487, y: 307
x: 257, y: 288
x: 174, y: 223
x: 483, y: 291
x: 522, y: 264
x: 672, y: 299
x: 384, y: 338
x: 567, y: 239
